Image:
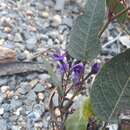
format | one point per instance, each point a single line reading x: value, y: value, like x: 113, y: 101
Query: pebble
x: 56, y: 20
x: 29, y: 13
x: 55, y: 100
x: 15, y: 104
x: 3, y: 124
x: 31, y: 44
x: 24, y: 88
x: 59, y: 5
x: 1, y: 111
x: 68, y: 21
x: 18, y: 37
x: 45, y: 14
x: 7, y: 29
x: 39, y: 88
x: 4, y: 89
x: 41, y: 96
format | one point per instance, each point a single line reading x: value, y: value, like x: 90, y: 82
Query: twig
x: 108, y: 22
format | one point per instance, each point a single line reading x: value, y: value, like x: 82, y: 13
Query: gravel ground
x: 28, y: 26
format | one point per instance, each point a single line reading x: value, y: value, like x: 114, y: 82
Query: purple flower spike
x: 95, y: 68
x: 63, y: 68
x: 58, y: 57
x: 78, y: 70
x: 62, y: 63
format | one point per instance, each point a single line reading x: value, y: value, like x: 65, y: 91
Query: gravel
x: 27, y: 27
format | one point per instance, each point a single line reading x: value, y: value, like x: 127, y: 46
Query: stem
x: 103, y: 28
x: 107, y: 23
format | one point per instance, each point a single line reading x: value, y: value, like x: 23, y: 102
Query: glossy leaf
x: 84, y: 44
x: 110, y: 93
x: 78, y: 120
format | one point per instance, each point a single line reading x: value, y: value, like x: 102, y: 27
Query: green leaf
x: 55, y: 78
x: 110, y: 92
x: 84, y: 44
x: 117, y: 7
x: 78, y: 120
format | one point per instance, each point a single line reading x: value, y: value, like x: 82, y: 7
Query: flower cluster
x: 77, y: 69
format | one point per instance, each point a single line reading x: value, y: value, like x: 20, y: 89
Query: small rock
x: 39, y: 88
x: 39, y: 108
x: 45, y: 14
x: 9, y: 94
x: 2, y: 41
x: 59, y: 5
x: 3, y: 124
x: 3, y: 81
x: 18, y: 37
x: 33, y: 83
x: 68, y: 21
x: 55, y: 100
x: 1, y: 98
x: 31, y: 96
x: 4, y: 89
x: 125, y: 40
x: 7, y: 29
x: 21, y: 56
x: 34, y: 116
x: 7, y: 107
x: 1, y: 111
x: 41, y: 96
x: 29, y: 13
x: 15, y: 104
x: 50, y: 43
x: 32, y: 76
x: 31, y: 43
x: 56, y: 20
x: 24, y: 88
x: 44, y: 76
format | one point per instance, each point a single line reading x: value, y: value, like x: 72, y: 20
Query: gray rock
x: 18, y: 37
x: 39, y: 108
x: 50, y: 43
x: 68, y: 21
x: 55, y: 100
x: 24, y: 88
x: 31, y: 43
x: 59, y: 4
x: 15, y: 104
x: 3, y: 124
x: 3, y: 81
x: 44, y: 76
x: 34, y: 116
x: 31, y: 96
x: 9, y: 45
x: 6, y: 115
x: 39, y: 88
x: 1, y: 98
x: 7, y: 107
x: 32, y: 76
x: 21, y: 56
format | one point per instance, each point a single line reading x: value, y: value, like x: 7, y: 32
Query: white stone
x: 125, y: 40
x: 56, y: 20
x: 1, y: 111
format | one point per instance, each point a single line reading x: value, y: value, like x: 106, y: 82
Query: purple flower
x: 62, y: 65
x: 95, y: 68
x: 63, y: 68
x: 78, y: 70
x: 59, y: 57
